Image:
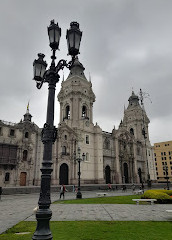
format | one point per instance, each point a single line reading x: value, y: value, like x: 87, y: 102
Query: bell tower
x: 27, y: 115
x: 135, y: 119
x: 76, y: 98
x: 76, y: 127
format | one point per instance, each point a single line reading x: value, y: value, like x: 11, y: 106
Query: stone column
x: 118, y: 170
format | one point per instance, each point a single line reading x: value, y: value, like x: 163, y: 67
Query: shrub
x: 169, y: 192
x: 162, y: 196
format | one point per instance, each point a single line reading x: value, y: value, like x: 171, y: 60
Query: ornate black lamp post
x: 149, y: 182
x: 165, y: 168
x: 49, y: 132
x: 79, y: 159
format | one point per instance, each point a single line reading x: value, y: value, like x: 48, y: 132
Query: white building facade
x: 122, y: 156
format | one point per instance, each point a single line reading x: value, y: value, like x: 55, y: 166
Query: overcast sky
x: 126, y: 44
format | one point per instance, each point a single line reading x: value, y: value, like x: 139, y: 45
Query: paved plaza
x: 16, y: 208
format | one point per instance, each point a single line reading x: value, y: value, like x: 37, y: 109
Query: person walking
x: 109, y: 186
x: 133, y: 187
x: 73, y: 188
x: 62, y: 191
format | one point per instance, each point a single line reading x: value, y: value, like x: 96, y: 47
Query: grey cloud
x: 126, y: 44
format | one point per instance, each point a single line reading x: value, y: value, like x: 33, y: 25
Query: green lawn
x: 103, y: 200
x: 96, y: 230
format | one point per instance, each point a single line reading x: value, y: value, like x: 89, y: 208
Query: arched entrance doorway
x: 140, y: 174
x: 23, y: 178
x: 126, y: 172
x: 107, y: 174
x: 63, y: 174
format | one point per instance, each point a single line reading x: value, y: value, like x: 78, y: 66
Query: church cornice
x: 76, y: 76
x: 73, y: 93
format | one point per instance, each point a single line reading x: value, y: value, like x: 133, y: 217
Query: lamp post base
x: 43, y: 232
x: 79, y: 195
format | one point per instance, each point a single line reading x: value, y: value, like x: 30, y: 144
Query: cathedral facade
x: 123, y: 156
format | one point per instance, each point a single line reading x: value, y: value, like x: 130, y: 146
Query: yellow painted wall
x: 163, y: 157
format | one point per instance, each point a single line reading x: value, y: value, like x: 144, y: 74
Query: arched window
x: 87, y: 139
x: 144, y: 133
x: 25, y: 153
x: 107, y: 144
x: 63, y: 150
x: 26, y: 134
x: 132, y: 131
x: 84, y: 111
x: 12, y: 132
x: 7, y: 176
x: 67, y: 112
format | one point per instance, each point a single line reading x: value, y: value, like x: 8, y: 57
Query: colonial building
x: 124, y: 155
x: 20, y: 152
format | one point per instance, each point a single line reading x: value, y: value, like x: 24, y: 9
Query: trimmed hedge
x: 162, y: 196
x: 169, y: 192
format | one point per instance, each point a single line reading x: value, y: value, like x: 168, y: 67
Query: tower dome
x: 133, y: 100
x: 27, y: 115
x: 77, y: 69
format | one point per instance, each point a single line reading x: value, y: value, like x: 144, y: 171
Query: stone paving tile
x: 16, y: 208
x: 108, y: 212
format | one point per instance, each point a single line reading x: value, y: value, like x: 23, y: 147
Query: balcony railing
x: 9, y: 161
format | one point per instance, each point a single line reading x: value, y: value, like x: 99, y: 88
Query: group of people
x: 124, y: 188
x: 63, y: 190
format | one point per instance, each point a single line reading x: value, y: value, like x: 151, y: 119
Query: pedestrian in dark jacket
x: 62, y: 191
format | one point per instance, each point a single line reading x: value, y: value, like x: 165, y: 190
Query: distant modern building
x: 123, y: 155
x: 163, y: 159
